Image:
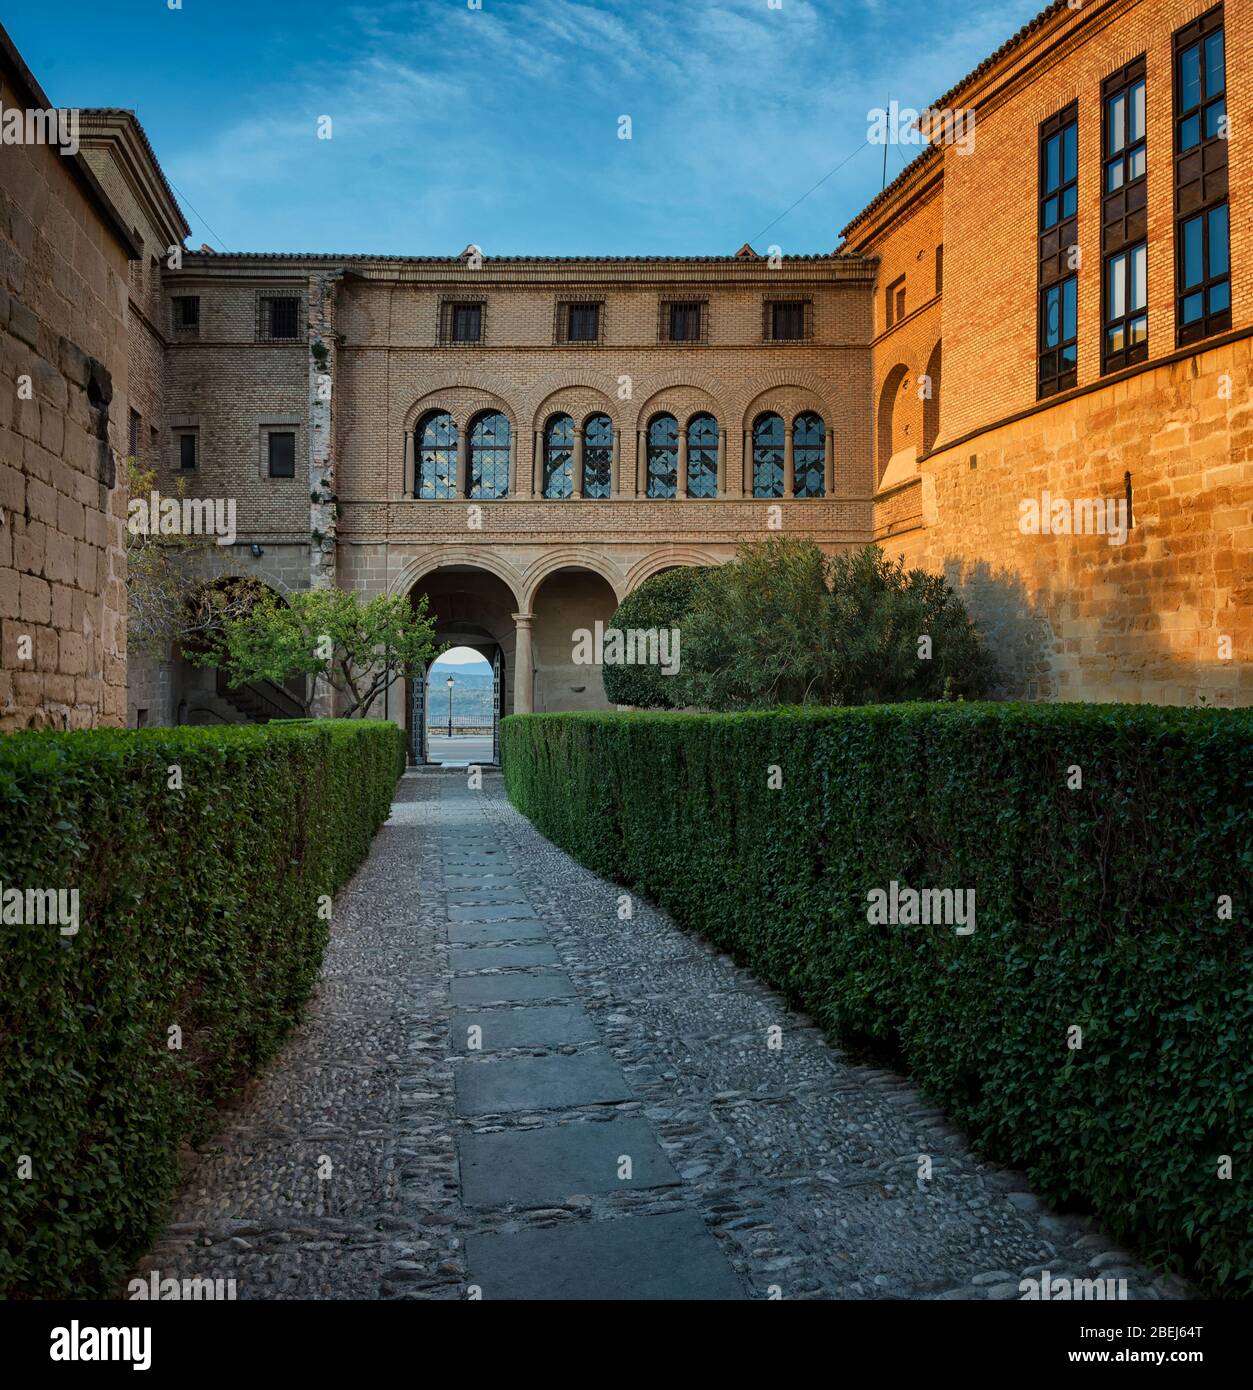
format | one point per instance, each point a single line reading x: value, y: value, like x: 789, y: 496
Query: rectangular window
x: 685, y: 323
x: 282, y: 453
x: 1058, y: 346
x: 467, y: 323
x: 787, y: 321
x: 1202, y: 234
x: 583, y: 323
x: 894, y: 302
x: 187, y: 313
x: 939, y: 269
x: 134, y: 436
x: 187, y: 441
x: 280, y: 318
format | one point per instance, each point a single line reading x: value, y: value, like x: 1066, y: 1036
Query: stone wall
x: 63, y: 427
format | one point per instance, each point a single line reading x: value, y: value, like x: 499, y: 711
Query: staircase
x: 260, y: 701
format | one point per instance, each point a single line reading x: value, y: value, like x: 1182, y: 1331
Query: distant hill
x: 471, y: 695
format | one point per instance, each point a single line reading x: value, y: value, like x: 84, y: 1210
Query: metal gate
x: 496, y: 682
x: 418, y: 753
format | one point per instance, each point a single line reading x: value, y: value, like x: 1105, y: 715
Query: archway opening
x: 473, y: 613
x: 571, y: 606
x: 460, y: 713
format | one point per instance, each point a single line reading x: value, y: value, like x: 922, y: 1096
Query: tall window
x: 1124, y: 220
x: 663, y: 457
x: 1126, y: 307
x: 597, y: 456
x: 787, y: 320
x: 702, y: 456
x: 768, y: 436
x: 809, y: 455
x: 460, y: 322
x: 437, y: 456
x: 1202, y: 234
x: 188, y: 441
x: 559, y: 457
x: 489, y: 455
x: 281, y: 445
x: 1058, y: 336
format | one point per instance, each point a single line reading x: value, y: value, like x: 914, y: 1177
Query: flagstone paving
x: 501, y: 1090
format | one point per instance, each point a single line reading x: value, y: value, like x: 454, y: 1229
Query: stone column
x: 828, y: 463
x: 746, y: 466
x: 576, y: 465
x: 722, y: 461
x: 523, y: 665
x: 680, y: 487
x: 409, y: 477
x: 789, y: 466
x: 514, y: 480
x: 463, y: 465
x: 537, y: 464
x: 641, y: 465
x: 616, y: 489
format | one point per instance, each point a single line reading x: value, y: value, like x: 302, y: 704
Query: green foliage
x: 360, y: 648
x: 199, y: 909
x: 1097, y: 907
x: 786, y: 624
x: 660, y: 602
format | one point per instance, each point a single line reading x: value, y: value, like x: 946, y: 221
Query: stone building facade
x: 1011, y: 324
x: 65, y: 255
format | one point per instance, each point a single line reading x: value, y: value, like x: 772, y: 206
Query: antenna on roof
x: 886, y: 139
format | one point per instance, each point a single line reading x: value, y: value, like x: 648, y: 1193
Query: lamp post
x: 450, y: 685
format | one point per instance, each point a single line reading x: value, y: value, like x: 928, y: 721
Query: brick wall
x: 1168, y: 616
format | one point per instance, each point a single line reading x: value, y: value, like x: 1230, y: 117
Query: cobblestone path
x: 500, y: 1087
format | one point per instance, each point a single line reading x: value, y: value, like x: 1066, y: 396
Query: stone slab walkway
x: 500, y: 1090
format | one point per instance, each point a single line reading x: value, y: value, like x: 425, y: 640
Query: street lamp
x: 450, y: 685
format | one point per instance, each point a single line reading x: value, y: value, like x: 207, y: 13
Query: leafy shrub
x: 1099, y: 907
x: 199, y: 909
x: 785, y: 623
x: 660, y: 602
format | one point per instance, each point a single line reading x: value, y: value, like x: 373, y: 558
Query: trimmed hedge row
x: 1099, y: 906
x: 199, y: 912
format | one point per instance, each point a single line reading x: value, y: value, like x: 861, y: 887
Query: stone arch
x: 603, y: 383
x: 648, y: 389
x: 579, y: 409
x: 441, y: 384
x: 887, y: 422
x: 809, y: 383
x: 672, y: 557
x: 568, y: 557
x: 472, y: 556
x: 931, y: 407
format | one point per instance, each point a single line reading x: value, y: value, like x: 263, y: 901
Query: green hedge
x: 198, y: 908
x: 1096, y: 907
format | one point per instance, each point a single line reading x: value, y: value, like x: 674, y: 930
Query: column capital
x: 523, y: 619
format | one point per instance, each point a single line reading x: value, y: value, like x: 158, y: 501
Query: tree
x: 784, y: 623
x: 177, y: 586
x: 358, y: 647
x: 661, y: 601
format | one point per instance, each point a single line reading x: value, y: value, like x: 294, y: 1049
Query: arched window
x: 663, y: 457
x: 809, y: 455
x: 768, y: 456
x: 597, y: 456
x: 489, y: 455
x: 436, y: 439
x: 559, y: 457
x: 702, y: 456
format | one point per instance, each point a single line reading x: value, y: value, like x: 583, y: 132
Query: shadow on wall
x: 1046, y: 647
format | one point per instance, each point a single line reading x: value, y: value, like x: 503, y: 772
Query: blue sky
x: 499, y: 125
